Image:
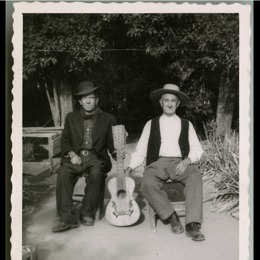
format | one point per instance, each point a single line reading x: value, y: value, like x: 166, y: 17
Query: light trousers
x: 157, y: 173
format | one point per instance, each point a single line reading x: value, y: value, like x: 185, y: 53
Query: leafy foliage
x: 66, y: 41
x: 130, y: 55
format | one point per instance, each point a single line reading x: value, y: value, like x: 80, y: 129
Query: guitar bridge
x: 123, y: 213
x: 128, y: 212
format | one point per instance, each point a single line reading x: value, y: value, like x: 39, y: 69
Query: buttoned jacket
x: 102, y: 137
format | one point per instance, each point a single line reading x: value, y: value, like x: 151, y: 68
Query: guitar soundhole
x: 121, y: 194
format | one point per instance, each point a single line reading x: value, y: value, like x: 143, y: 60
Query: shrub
x: 220, y: 169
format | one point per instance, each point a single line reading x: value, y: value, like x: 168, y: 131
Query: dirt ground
x: 35, y: 193
x: 106, y: 242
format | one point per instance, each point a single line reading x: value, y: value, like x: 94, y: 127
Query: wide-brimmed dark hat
x: 84, y: 88
x: 170, y: 89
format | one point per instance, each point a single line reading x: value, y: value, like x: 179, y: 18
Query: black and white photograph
x: 131, y: 131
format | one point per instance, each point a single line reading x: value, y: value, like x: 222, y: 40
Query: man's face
x: 89, y: 102
x: 169, y: 103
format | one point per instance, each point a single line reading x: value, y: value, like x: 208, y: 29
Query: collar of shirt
x: 90, y: 115
x: 169, y: 118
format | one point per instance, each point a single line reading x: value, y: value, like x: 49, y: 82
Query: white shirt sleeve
x: 139, y: 155
x: 196, y: 150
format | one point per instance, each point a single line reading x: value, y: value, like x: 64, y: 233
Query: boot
x: 193, y: 231
x: 176, y: 225
x: 63, y: 226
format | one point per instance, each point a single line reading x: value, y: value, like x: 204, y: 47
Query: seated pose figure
x: 85, y: 142
x: 171, y: 147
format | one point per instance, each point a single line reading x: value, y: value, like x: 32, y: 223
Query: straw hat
x: 170, y: 89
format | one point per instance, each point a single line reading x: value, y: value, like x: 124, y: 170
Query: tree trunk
x: 66, y: 104
x: 60, y: 100
x: 54, y: 104
x: 57, y: 103
x: 225, y: 108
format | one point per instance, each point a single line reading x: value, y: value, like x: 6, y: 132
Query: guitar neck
x: 119, y: 137
x: 121, y: 186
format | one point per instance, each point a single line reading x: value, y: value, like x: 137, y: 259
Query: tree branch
x: 170, y: 50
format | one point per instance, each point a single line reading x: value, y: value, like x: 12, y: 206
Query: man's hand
x: 114, y: 154
x: 181, y: 167
x: 74, y: 158
x: 128, y: 170
x: 123, y: 154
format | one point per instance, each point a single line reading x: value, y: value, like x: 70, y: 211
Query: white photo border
x: 245, y: 34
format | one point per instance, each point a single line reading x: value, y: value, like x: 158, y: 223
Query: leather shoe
x: 193, y: 231
x: 176, y: 225
x: 87, y: 221
x: 64, y: 225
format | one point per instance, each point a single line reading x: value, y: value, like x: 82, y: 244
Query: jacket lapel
x: 98, y: 128
x: 78, y: 122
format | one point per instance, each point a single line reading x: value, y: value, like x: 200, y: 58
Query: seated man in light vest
x: 171, y: 147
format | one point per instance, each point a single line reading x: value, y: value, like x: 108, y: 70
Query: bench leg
x: 152, y: 216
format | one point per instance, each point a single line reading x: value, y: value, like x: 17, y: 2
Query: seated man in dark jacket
x: 86, y: 139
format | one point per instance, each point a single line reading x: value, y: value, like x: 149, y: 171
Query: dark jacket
x: 73, y: 136
x: 154, y: 143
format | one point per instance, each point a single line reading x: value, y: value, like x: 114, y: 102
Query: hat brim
x: 156, y: 95
x: 84, y: 92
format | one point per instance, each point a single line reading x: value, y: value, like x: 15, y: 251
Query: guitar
x: 122, y: 210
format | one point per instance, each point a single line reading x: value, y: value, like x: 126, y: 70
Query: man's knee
x: 63, y: 167
x: 194, y: 170
x: 195, y: 174
x: 63, y: 172
x: 97, y: 173
x: 147, y: 184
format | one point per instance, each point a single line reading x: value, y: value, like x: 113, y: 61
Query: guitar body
x: 122, y: 210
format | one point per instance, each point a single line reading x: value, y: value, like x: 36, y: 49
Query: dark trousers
x: 93, y: 169
x: 152, y: 188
